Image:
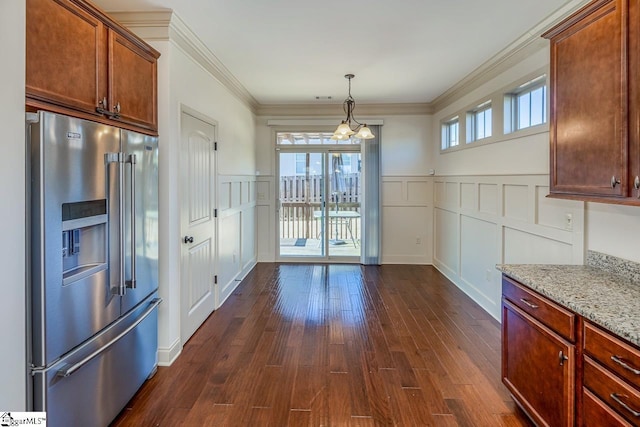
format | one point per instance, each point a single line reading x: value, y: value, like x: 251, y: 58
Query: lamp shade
x: 344, y: 129
x: 339, y: 137
x: 365, y: 133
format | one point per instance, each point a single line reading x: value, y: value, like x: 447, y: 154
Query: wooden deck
x: 335, y: 345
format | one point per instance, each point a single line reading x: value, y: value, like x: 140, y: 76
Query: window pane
x: 537, y: 107
x: 524, y: 110
x: 445, y: 137
x: 480, y: 125
x: 487, y: 122
x: 454, y: 132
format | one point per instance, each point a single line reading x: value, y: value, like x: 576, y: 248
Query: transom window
x: 526, y: 106
x: 450, y: 133
x: 311, y: 138
x: 479, y: 122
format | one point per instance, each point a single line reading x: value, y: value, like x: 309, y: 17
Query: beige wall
x: 184, y: 83
x: 490, y: 203
x: 12, y: 208
x: 406, y: 191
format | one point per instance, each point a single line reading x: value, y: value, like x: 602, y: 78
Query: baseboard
x: 231, y: 286
x: 166, y: 356
x: 406, y: 259
x: 485, y: 303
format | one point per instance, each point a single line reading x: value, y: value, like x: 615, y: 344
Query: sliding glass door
x: 319, y: 200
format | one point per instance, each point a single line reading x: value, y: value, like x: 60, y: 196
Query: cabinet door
x: 65, y: 56
x: 589, y: 102
x: 537, y: 368
x: 132, y: 78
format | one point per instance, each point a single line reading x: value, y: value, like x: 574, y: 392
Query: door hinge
x: 215, y: 279
x: 215, y: 146
x: 215, y: 213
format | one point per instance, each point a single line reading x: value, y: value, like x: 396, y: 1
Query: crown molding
x: 166, y: 25
x: 527, y: 44
x: 336, y: 110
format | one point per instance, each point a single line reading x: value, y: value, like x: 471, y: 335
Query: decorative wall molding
x: 336, y: 110
x: 483, y: 220
x: 166, y: 25
x: 527, y: 44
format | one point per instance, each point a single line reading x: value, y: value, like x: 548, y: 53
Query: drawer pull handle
x: 618, y: 399
x: 620, y: 361
x: 532, y: 305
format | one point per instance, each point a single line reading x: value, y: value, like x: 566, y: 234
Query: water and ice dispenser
x: 84, y: 239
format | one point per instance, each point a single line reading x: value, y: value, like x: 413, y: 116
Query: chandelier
x: 346, y: 129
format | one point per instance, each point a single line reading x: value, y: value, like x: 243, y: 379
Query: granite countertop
x: 606, y: 293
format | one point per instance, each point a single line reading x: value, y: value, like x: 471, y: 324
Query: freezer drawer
x: 92, y: 394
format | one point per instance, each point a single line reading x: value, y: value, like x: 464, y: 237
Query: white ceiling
x: 402, y: 51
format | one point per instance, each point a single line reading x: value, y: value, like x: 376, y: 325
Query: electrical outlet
x: 418, y: 241
x: 568, y: 221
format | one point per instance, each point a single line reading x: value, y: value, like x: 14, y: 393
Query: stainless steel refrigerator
x: 93, y: 273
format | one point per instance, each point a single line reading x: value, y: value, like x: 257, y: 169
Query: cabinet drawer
x: 613, y: 391
x: 550, y: 314
x: 596, y: 413
x: 613, y: 353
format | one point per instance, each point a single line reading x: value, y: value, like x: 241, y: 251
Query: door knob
x: 188, y: 239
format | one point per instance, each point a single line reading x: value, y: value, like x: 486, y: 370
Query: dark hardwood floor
x: 335, y: 345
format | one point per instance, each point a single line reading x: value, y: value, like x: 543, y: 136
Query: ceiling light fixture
x: 345, y: 130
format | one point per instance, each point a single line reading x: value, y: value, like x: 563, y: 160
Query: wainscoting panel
x: 488, y: 202
x: 479, y: 249
x: 447, y: 239
x: 407, y: 219
x: 501, y: 219
x: 521, y: 247
x: 237, y: 242
x: 516, y: 202
x: 266, y: 221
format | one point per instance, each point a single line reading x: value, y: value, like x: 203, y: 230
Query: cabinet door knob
x: 116, y: 108
x: 188, y: 239
x: 614, y: 182
x: 562, y: 357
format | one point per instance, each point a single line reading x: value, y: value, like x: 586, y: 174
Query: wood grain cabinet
x: 82, y: 63
x: 611, y: 377
x: 589, y: 128
x: 538, y: 362
x: 562, y: 369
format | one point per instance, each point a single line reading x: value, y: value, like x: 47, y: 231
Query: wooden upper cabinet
x: 589, y: 99
x: 82, y: 63
x: 132, y: 78
x: 65, y: 55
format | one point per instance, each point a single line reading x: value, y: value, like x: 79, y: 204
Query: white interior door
x: 198, y: 202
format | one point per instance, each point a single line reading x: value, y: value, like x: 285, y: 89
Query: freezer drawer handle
x: 70, y: 369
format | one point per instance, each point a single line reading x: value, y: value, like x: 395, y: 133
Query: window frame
x: 472, y: 122
x: 512, y: 104
x: 445, y: 133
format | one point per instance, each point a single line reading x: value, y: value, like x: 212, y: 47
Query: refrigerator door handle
x: 117, y: 158
x: 67, y: 370
x: 132, y: 161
